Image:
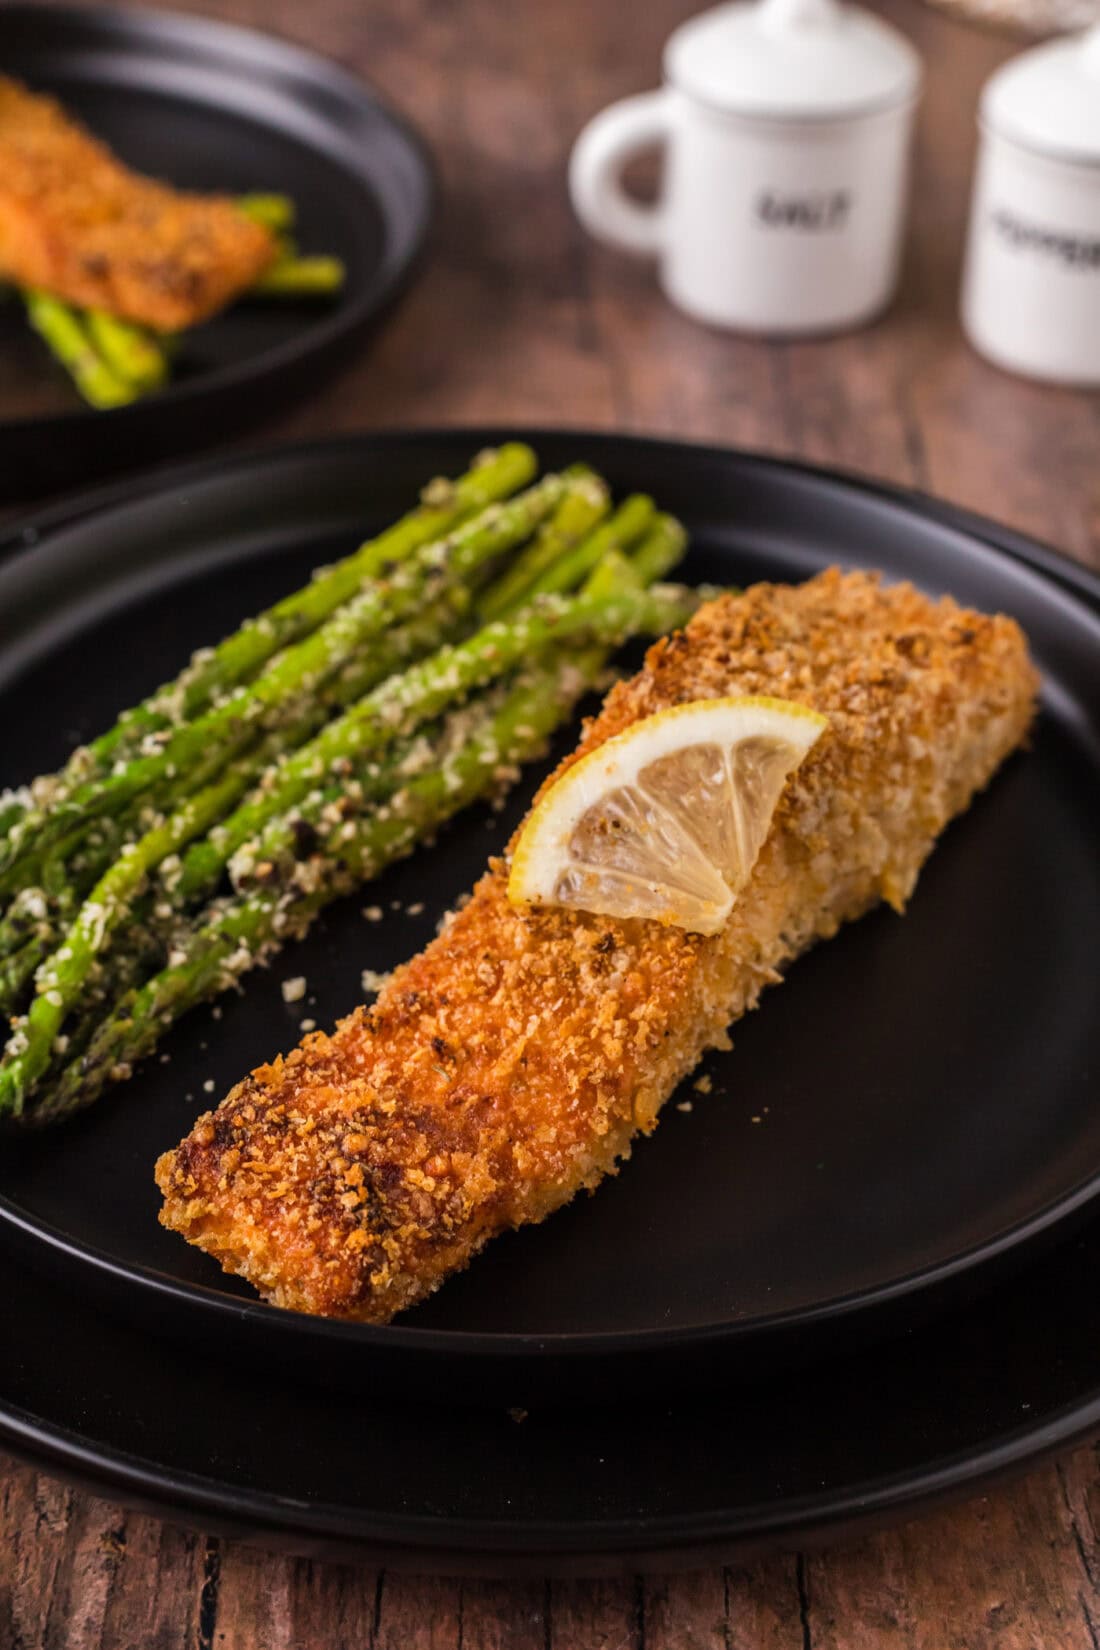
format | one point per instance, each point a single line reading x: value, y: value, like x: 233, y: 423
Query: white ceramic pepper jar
x: 785, y: 126
x: 1031, y: 285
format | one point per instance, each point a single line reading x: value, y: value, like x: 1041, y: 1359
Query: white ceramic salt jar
x: 785, y: 126
x: 1031, y: 285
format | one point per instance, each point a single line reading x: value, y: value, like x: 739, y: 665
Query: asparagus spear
x: 582, y: 507
x: 212, y: 671
x: 422, y: 692
x: 318, y: 276
x: 660, y: 549
x: 64, y: 333
x: 249, y: 928
x: 17, y: 969
x: 63, y: 975
x: 275, y: 212
x: 633, y: 518
x: 132, y: 352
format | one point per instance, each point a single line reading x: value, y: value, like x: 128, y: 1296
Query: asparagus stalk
x: 660, y: 550
x: 17, y: 969
x: 275, y: 212
x: 248, y: 929
x: 70, y: 342
x: 214, y: 671
x: 583, y: 506
x: 62, y: 977
x: 424, y: 691
x: 318, y: 276
x: 132, y: 352
x: 633, y: 518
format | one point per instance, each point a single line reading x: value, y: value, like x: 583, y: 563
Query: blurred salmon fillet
x: 511, y: 1063
x: 77, y: 223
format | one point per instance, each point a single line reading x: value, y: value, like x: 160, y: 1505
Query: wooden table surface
x: 519, y: 317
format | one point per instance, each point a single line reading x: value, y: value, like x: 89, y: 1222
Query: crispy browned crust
x: 510, y: 1063
x: 76, y: 222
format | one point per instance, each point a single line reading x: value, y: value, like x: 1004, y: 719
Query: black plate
x: 631, y: 1487
x: 925, y: 1089
x: 208, y: 106
x: 936, y: 1407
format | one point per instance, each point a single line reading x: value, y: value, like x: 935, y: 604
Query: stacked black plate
x: 856, y: 1274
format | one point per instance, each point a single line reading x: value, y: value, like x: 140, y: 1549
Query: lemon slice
x: 665, y: 820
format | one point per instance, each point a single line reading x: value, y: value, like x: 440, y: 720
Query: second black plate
x: 207, y: 106
x: 915, y: 1103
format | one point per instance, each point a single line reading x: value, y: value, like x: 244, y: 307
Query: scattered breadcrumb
x: 309, y: 1025
x: 703, y: 1085
x: 371, y: 980
x: 373, y: 913
x: 294, y: 990
x: 416, y: 910
x: 208, y: 1086
x: 684, y: 1105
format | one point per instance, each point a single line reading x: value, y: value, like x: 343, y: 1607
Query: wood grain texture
x: 519, y: 317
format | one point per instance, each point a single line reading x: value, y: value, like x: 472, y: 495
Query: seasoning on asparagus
x: 244, y: 932
x: 215, y: 672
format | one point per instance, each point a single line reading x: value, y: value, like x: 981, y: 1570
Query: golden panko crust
x: 510, y: 1063
x: 76, y: 222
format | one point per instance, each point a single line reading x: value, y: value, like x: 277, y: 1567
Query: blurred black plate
x: 208, y: 106
x: 915, y: 1105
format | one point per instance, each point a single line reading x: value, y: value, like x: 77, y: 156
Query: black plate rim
x: 31, y: 525
x: 346, y: 320
x: 552, y: 1543
x: 1048, y: 565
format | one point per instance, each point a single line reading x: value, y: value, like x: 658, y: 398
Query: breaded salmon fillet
x: 512, y: 1062
x: 77, y: 223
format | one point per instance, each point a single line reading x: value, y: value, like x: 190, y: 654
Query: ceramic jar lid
x: 1048, y: 99
x: 792, y: 59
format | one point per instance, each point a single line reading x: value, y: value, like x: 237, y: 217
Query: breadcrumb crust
x: 76, y: 222
x: 510, y: 1063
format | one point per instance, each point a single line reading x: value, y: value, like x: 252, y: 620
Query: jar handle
x: 605, y: 145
